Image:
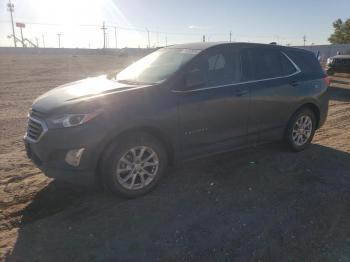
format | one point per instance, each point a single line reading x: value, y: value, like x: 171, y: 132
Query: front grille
x: 36, y: 127
x: 36, y: 114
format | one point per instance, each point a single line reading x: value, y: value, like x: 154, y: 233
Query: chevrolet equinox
x: 177, y: 103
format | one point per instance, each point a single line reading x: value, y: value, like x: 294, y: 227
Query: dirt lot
x: 263, y: 203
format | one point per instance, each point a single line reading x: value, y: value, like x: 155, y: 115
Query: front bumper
x: 49, y: 153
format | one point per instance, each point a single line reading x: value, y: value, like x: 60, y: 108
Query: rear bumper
x: 323, y: 107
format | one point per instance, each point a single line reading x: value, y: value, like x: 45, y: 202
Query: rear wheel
x: 134, y: 166
x: 301, y: 129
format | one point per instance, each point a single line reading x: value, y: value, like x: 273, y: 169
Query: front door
x: 214, y: 116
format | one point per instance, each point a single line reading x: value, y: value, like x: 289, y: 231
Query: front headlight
x: 70, y: 120
x: 329, y: 61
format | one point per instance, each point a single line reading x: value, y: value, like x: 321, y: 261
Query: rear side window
x: 260, y: 63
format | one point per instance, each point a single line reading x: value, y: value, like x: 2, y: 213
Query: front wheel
x: 301, y: 129
x: 134, y: 165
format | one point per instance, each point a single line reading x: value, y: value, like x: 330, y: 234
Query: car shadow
x: 261, y: 203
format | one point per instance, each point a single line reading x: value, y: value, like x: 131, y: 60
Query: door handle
x: 241, y: 92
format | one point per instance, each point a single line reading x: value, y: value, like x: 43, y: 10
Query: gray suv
x: 339, y: 63
x: 178, y: 103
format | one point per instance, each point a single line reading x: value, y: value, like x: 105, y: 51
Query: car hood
x: 80, y: 91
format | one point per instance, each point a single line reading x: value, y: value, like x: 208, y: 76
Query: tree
x: 341, y: 33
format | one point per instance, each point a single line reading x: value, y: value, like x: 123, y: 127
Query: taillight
x: 327, y: 80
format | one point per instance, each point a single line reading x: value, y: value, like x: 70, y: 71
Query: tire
x: 297, y: 139
x: 125, y: 171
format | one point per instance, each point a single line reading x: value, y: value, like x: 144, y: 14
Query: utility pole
x: 21, y: 26
x: 11, y: 9
x: 149, y: 42
x: 22, y: 37
x: 104, y: 34
x: 157, y: 39
x: 43, y: 40
x: 37, y: 41
x: 115, y: 37
x: 59, y: 40
x: 304, y: 39
x: 230, y: 36
x: 203, y: 38
x: 166, y: 40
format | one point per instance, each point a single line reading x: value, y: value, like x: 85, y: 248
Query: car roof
x: 206, y: 45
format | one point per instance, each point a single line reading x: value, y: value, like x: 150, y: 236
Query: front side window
x: 218, y: 67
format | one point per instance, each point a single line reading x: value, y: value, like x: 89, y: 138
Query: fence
x: 78, y: 51
x: 326, y: 51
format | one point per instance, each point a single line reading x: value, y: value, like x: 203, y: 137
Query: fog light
x: 73, y: 156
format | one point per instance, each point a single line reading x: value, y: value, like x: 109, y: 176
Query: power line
x: 130, y: 28
x: 141, y: 29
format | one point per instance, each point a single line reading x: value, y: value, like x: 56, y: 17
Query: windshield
x: 157, y: 66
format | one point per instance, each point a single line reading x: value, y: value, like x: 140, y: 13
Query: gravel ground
x: 259, y: 204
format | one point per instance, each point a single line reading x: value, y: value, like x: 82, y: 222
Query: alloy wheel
x: 302, y: 130
x: 137, y: 168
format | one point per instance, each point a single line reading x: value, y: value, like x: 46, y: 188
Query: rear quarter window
x: 306, y: 61
x: 287, y: 66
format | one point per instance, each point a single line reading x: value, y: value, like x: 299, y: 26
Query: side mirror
x: 194, y: 78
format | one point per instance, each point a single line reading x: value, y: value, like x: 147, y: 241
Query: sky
x: 169, y: 22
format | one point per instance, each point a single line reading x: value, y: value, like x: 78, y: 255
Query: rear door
x: 270, y: 76
x: 214, y: 116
